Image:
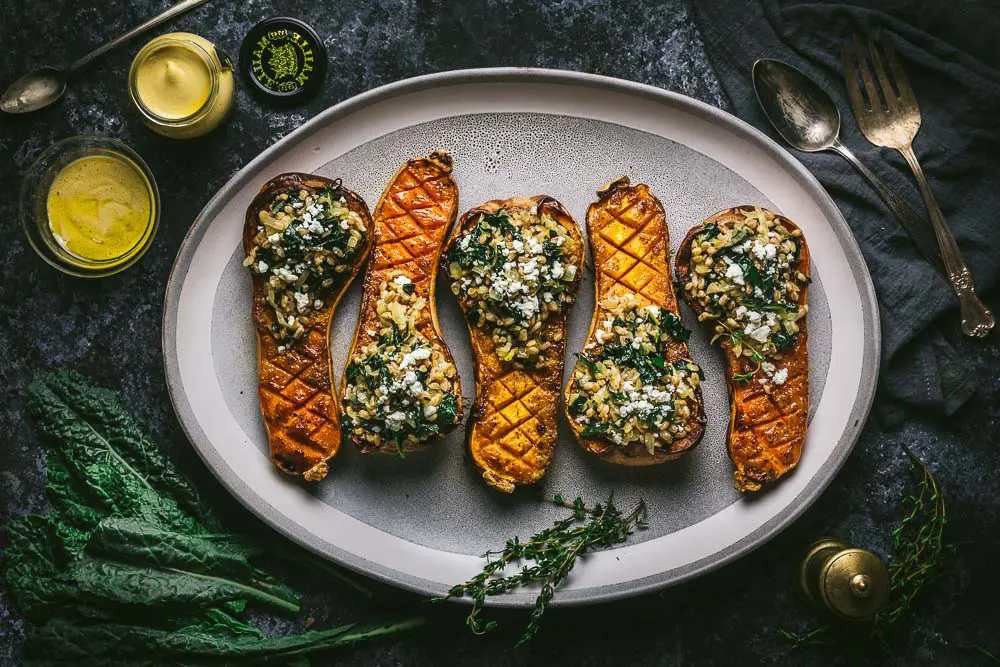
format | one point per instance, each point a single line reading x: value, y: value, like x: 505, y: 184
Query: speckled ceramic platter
x: 423, y: 522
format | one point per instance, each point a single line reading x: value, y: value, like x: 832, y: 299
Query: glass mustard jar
x: 181, y: 85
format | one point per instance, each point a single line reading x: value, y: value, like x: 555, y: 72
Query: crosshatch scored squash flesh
x: 401, y: 387
x: 305, y: 238
x: 745, y: 272
x: 634, y: 396
x: 515, y: 267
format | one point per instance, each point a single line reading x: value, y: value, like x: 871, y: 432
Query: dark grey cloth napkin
x: 950, y: 55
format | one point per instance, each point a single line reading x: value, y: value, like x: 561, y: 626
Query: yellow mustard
x: 100, y: 208
x: 180, y: 85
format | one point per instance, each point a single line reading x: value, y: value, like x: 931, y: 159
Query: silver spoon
x: 807, y: 118
x: 47, y: 84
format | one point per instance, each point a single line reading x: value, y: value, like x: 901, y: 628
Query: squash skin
x: 621, y: 206
x: 298, y: 405
x: 766, y: 432
x: 417, y: 258
x: 510, y: 457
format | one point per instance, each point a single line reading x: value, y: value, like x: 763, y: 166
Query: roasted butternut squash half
x: 401, y: 386
x: 305, y: 238
x: 515, y: 267
x: 634, y: 396
x: 745, y: 272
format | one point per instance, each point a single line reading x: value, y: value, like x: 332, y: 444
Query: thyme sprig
x: 552, y: 553
x: 918, y: 542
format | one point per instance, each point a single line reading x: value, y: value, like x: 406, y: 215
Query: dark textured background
x: 110, y: 330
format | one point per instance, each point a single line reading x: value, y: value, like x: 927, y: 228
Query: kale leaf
x: 131, y: 567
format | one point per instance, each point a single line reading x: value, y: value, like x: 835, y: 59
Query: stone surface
x: 110, y: 331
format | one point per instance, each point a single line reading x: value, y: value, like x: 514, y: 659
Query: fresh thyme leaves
x: 131, y: 567
x: 552, y: 553
x: 918, y: 542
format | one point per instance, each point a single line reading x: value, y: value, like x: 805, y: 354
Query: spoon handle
x: 919, y: 230
x: 179, y: 8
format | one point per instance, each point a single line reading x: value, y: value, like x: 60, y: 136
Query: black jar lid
x: 283, y: 60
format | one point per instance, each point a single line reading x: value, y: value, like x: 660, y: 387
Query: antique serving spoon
x: 807, y: 118
x: 45, y: 85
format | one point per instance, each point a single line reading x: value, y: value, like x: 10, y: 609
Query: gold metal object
x: 892, y: 120
x: 851, y: 583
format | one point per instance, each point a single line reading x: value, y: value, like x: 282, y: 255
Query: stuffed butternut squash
x: 634, y: 396
x: 305, y: 238
x: 401, y: 386
x: 745, y: 272
x: 515, y: 267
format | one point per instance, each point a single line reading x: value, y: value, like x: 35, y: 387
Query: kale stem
x: 254, y: 593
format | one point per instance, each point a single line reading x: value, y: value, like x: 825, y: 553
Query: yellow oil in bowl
x: 99, y: 208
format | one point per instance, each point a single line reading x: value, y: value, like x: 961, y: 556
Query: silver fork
x: 892, y: 120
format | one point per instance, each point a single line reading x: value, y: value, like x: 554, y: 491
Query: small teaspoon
x: 808, y: 119
x: 45, y: 85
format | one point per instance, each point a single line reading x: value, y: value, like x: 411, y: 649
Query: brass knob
x: 851, y: 583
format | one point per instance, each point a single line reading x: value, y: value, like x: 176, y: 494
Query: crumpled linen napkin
x: 949, y: 53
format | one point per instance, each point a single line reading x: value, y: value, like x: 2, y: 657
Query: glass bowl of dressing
x: 89, y: 206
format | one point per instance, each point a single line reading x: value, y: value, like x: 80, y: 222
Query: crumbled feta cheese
x: 528, y: 306
x: 317, y: 304
x: 759, y: 334
x: 570, y: 272
x: 301, y: 300
x: 421, y: 353
x: 518, y: 245
x: 285, y: 275
x: 547, y: 297
x: 534, y: 247
x: 530, y: 270
x: 412, y: 384
x: 430, y: 411
x: 764, y: 251
x: 736, y: 273
x: 768, y: 367
x: 262, y: 266
x: 659, y: 396
x: 344, y: 224
x: 780, y: 377
x: 395, y: 421
x: 741, y: 310
x: 402, y: 280
x: 753, y: 316
x: 370, y: 332
x: 297, y: 204
x: 557, y: 270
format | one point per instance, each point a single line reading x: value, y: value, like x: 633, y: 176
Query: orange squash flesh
x: 513, y: 428
x: 411, y: 221
x: 629, y: 242
x: 300, y: 411
x: 767, y: 426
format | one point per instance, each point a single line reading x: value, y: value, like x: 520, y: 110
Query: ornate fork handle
x: 977, y: 320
